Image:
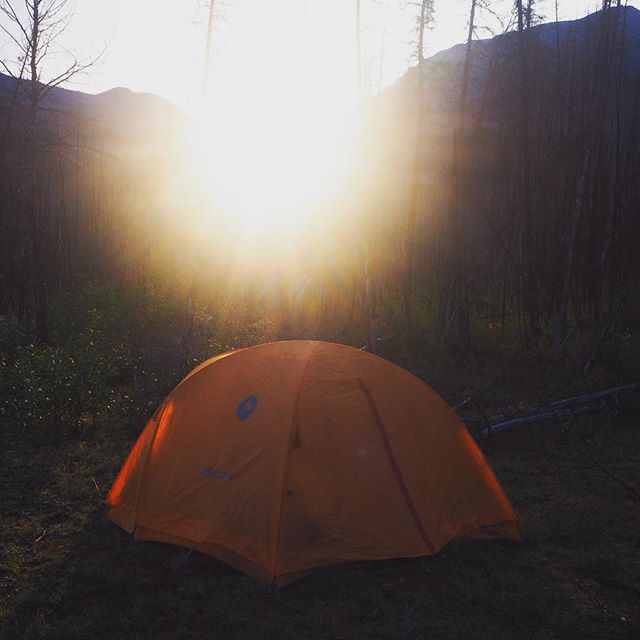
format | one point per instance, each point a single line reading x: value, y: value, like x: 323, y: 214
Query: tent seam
x: 395, y: 467
x: 159, y: 414
x: 303, y: 378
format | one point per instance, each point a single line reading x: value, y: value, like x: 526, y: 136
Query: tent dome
x: 291, y: 455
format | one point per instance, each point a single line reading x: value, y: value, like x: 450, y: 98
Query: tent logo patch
x: 217, y: 473
x: 247, y: 407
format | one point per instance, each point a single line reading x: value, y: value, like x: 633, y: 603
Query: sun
x: 271, y: 166
x: 273, y: 142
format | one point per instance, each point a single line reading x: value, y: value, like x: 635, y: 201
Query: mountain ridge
x: 545, y: 32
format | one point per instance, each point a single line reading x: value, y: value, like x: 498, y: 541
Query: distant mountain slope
x: 120, y: 117
x: 547, y: 164
x: 571, y: 48
x: 551, y: 34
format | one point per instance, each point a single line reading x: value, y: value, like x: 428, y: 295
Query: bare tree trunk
x: 414, y: 196
x: 207, y: 55
x: 616, y: 213
x: 39, y: 276
x: 366, y: 272
x: 36, y: 30
x: 358, y: 50
x: 530, y: 294
x: 458, y: 250
x: 578, y: 208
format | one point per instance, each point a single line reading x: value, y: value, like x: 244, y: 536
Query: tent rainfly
x: 287, y: 456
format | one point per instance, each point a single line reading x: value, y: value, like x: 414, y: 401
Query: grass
x: 67, y: 572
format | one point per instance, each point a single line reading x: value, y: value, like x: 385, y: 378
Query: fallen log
x: 589, y: 397
x: 579, y: 405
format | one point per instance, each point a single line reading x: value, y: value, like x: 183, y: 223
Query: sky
x: 157, y: 46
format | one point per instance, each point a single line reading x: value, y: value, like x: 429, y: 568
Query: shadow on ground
x: 69, y: 573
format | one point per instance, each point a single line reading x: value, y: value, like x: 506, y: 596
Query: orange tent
x: 291, y: 455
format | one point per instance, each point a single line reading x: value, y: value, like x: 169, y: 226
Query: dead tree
x: 34, y: 28
x: 457, y: 302
x: 424, y: 19
x: 529, y: 288
x: 207, y: 52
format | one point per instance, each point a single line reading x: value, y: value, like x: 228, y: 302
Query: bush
x: 111, y: 355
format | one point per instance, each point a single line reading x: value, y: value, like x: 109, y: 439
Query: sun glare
x: 270, y: 166
x: 273, y: 141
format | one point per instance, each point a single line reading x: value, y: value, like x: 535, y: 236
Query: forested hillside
x: 495, y: 199
x: 74, y: 193
x: 527, y: 203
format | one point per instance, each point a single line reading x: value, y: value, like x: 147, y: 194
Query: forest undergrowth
x: 72, y: 409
